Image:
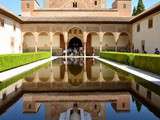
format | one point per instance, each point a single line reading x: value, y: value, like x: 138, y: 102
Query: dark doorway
x: 75, y: 43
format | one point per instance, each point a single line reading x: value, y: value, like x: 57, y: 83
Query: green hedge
x: 10, y: 61
x: 148, y: 62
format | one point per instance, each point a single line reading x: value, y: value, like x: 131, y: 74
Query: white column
x: 36, y: 41
x: 116, y: 35
x: 66, y: 71
x: 84, y: 42
x: 101, y: 74
x: 101, y: 34
x: 85, y: 71
x: 66, y: 41
x: 116, y: 77
x: 51, y: 41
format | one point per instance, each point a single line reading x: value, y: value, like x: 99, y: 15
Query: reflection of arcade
x: 75, y: 71
x: 55, y: 105
x: 82, y: 73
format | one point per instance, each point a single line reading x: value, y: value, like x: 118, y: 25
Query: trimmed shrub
x: 10, y: 61
x: 148, y: 62
x: 120, y: 57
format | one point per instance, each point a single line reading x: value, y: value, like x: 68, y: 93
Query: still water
x: 79, y: 89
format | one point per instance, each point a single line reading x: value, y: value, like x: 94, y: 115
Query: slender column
x: 116, y: 35
x: 116, y: 77
x: 85, y: 72
x: 66, y: 71
x: 101, y: 34
x: 101, y: 74
x: 36, y: 41
x: 65, y: 40
x: 51, y: 41
x: 85, y: 41
x: 52, y: 73
x: 84, y: 48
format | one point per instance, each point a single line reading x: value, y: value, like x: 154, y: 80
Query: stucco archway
x: 43, y: 42
x: 93, y: 43
x: 28, y: 42
x: 123, y: 42
x: 109, y: 42
x: 58, y: 43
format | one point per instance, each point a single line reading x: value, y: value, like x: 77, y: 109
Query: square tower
x: 28, y: 6
x: 124, y: 7
x: 71, y: 4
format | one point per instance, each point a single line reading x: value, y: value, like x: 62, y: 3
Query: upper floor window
x: 75, y: 4
x: 124, y: 6
x: 2, y: 22
x: 138, y: 27
x: 28, y: 5
x: 95, y: 2
x: 14, y: 27
x: 150, y: 23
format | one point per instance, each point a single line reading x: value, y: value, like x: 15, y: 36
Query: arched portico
x: 93, y: 43
x: 109, y: 42
x: 28, y: 42
x: 58, y: 43
x: 123, y: 42
x: 43, y: 42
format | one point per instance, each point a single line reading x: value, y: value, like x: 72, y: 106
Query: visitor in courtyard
x: 157, y: 51
x: 75, y: 113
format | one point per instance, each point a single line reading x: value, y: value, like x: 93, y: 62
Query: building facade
x: 90, y: 25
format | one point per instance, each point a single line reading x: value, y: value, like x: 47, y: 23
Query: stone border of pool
x: 151, y: 77
x: 16, y: 71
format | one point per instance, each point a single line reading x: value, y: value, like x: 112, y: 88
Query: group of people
x: 74, y: 52
x: 156, y: 51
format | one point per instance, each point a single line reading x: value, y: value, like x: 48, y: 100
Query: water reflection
x: 85, y: 87
x: 88, y: 107
x: 75, y: 72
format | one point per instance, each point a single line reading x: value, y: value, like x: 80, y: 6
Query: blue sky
x: 15, y: 5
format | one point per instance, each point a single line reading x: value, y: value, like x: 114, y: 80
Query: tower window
x: 28, y: 5
x: 124, y: 6
x: 95, y: 3
x: 75, y: 4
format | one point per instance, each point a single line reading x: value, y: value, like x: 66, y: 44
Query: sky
x: 15, y: 5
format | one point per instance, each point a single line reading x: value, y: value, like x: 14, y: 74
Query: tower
x: 124, y: 7
x: 28, y: 6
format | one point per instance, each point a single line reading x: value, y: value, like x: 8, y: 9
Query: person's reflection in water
x: 75, y: 113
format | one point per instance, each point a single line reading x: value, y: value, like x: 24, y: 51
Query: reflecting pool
x: 78, y: 89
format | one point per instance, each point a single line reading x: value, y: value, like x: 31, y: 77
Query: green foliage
x: 148, y: 62
x: 122, y: 58
x: 10, y: 61
x: 140, y: 7
x: 134, y: 11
